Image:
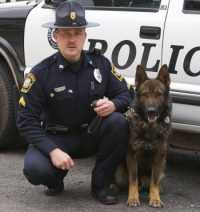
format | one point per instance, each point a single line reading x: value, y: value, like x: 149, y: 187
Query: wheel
x: 8, y: 131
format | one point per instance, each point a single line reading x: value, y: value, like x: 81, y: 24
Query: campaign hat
x: 70, y: 14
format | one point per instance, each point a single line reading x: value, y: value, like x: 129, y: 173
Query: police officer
x: 55, y: 110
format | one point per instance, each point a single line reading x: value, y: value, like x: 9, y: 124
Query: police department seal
x: 51, y: 39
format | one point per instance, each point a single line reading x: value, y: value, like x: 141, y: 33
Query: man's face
x: 70, y: 42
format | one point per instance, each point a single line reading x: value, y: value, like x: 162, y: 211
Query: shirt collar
x: 63, y: 64
x: 89, y: 61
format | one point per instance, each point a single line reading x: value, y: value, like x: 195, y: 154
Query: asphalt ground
x: 181, y: 187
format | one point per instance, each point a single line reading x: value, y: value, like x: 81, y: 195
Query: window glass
x: 192, y: 5
x: 153, y: 4
x: 4, y: 1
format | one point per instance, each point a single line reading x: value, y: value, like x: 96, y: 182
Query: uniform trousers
x: 109, y: 144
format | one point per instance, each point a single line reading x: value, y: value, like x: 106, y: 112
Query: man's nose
x: 71, y: 37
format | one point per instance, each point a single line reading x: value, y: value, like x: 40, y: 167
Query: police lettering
x: 131, y: 56
x: 146, y: 52
x: 145, y: 57
x: 187, y: 62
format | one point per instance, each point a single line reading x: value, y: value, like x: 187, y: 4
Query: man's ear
x: 85, y: 34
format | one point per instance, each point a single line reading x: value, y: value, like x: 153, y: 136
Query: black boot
x: 107, y: 196
x: 53, y: 191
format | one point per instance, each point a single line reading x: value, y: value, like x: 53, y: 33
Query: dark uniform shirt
x: 63, y: 92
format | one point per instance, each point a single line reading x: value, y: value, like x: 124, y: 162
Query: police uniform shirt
x: 63, y: 92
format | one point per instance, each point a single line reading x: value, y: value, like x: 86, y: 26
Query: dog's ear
x: 163, y: 75
x: 141, y: 76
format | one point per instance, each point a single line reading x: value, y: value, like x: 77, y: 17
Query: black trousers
x: 109, y: 144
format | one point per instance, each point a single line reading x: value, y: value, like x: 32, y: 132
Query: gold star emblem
x: 22, y: 102
x: 73, y: 16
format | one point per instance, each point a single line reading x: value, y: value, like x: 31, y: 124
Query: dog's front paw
x: 156, y: 203
x: 133, y: 202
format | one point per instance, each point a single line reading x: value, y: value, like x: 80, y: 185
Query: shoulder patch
x: 28, y: 82
x: 22, y: 101
x: 117, y: 75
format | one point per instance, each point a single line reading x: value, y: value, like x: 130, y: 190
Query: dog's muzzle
x: 152, y: 114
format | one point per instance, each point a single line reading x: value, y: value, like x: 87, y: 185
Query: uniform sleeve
x: 117, y: 89
x: 31, y: 106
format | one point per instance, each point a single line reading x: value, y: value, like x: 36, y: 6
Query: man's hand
x: 61, y: 160
x: 104, y: 107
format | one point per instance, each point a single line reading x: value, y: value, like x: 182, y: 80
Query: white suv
x: 131, y: 32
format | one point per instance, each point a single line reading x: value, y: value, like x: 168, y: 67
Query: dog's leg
x: 157, y: 173
x: 133, y: 191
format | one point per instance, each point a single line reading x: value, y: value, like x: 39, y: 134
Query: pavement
x: 181, y: 187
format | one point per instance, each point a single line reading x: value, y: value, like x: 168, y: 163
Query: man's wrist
x: 51, y: 153
x: 114, y: 106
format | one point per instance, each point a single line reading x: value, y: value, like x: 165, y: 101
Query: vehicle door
x: 130, y: 32
x: 182, y: 52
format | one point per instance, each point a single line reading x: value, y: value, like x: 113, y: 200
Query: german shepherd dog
x: 149, y: 119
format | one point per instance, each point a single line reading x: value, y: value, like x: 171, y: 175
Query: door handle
x: 150, y: 32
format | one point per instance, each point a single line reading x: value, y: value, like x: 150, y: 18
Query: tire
x: 8, y: 131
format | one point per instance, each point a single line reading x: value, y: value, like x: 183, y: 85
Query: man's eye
x: 79, y: 33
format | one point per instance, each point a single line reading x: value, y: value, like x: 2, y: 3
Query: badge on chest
x: 97, y: 75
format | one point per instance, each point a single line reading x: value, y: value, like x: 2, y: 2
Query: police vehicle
x: 131, y: 32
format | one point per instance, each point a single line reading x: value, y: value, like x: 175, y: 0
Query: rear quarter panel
x: 182, y: 31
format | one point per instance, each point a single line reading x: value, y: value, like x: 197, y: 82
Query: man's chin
x: 72, y: 57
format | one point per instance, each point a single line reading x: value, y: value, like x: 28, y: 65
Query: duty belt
x: 91, y: 128
x: 60, y: 129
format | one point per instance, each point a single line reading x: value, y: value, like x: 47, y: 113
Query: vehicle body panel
x: 12, y: 22
x: 181, y: 30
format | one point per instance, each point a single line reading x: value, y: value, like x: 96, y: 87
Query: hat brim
x: 54, y: 26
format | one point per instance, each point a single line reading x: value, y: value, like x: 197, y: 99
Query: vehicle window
x: 4, y: 1
x: 153, y: 4
x: 191, y: 6
x: 150, y: 5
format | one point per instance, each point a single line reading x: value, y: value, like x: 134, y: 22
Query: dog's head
x: 152, y: 94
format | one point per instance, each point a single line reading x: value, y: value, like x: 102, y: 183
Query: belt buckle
x: 84, y: 126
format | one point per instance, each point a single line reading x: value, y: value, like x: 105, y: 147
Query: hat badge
x: 72, y: 15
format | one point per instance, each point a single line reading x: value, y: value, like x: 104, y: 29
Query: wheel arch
x: 15, y: 67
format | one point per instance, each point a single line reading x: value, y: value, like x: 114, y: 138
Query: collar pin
x: 61, y: 67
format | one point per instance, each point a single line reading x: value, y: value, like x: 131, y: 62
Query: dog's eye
x: 144, y: 94
x: 159, y: 93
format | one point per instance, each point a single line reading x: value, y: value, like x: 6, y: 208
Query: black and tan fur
x: 150, y: 122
